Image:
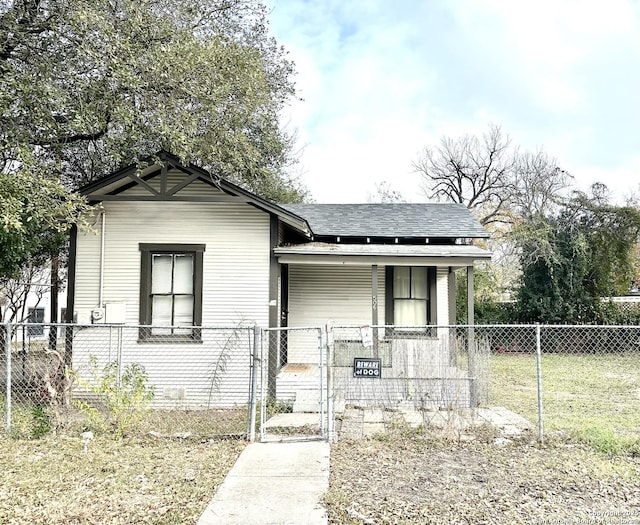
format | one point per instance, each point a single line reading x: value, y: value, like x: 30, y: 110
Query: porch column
x: 470, y: 307
x: 452, y: 296
x: 374, y: 307
x: 473, y: 372
x: 274, y: 337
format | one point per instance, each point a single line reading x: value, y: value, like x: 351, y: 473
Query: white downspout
x: 102, y: 236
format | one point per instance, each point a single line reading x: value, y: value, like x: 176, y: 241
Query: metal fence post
x: 330, y: 397
x: 321, y: 397
x: 257, y: 337
x: 539, y: 375
x: 264, y: 371
x: 474, y: 396
x: 7, y: 348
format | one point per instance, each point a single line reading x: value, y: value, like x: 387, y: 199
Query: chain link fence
x: 577, y: 381
x: 413, y: 368
x: 582, y: 382
x: 127, y: 379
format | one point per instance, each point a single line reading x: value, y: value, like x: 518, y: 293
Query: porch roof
x: 390, y: 220
x: 381, y: 254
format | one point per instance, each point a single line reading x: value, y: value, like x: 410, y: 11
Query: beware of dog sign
x: 367, y: 367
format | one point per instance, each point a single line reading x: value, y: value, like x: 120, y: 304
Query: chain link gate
x: 293, y: 394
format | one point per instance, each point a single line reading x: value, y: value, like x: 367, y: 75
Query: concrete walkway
x: 273, y: 484
x: 283, y: 483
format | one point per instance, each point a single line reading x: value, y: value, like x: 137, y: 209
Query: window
x: 36, y: 316
x: 171, y: 290
x: 410, y: 295
x: 63, y: 319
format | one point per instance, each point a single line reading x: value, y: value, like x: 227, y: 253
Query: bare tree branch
x: 475, y: 172
x: 497, y: 182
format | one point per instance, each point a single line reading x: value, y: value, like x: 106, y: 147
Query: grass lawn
x: 164, y: 471
x: 54, y: 480
x: 596, y: 398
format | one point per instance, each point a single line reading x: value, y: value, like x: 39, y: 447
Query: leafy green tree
x: 488, y: 304
x: 573, y: 260
x: 36, y: 214
x: 87, y: 86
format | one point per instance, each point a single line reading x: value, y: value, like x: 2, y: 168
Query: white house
x: 27, y: 299
x: 176, y: 248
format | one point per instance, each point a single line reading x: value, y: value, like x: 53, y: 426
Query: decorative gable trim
x: 114, y: 187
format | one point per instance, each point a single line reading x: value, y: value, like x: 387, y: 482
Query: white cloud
x: 380, y: 80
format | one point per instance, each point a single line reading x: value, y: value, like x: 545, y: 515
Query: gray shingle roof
x: 440, y: 220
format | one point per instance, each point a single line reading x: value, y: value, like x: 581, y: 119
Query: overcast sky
x: 380, y: 79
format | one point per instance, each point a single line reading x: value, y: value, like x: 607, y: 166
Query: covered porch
x: 391, y: 302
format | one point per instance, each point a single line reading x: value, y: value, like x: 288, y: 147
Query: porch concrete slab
x: 273, y: 484
x: 339, y: 404
x: 306, y: 401
x: 413, y: 418
x: 350, y: 425
x: 446, y: 419
x: 507, y: 421
x: 357, y: 423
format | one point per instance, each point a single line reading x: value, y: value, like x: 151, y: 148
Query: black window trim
x: 431, y: 304
x: 146, y: 252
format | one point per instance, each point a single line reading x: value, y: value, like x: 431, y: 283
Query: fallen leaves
x: 407, y: 479
x: 155, y: 481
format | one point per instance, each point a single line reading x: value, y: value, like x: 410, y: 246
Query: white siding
x: 87, y: 279
x: 236, y: 260
x: 442, y: 295
x: 235, y: 291
x: 210, y: 374
x: 318, y: 294
x: 343, y: 294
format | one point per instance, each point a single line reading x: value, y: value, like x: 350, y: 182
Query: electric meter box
x: 115, y: 313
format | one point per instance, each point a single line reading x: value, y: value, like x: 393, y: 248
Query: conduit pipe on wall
x: 103, y: 223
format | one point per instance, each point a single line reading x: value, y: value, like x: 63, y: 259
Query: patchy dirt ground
x: 407, y: 477
x: 401, y: 476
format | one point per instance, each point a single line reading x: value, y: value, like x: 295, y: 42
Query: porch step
x: 297, y: 377
x: 307, y: 401
x: 292, y: 420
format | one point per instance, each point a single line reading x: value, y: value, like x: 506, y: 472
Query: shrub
x: 125, y: 394
x: 41, y: 425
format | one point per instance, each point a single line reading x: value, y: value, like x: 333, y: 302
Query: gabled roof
x: 408, y: 220
x: 114, y: 186
x: 390, y: 220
